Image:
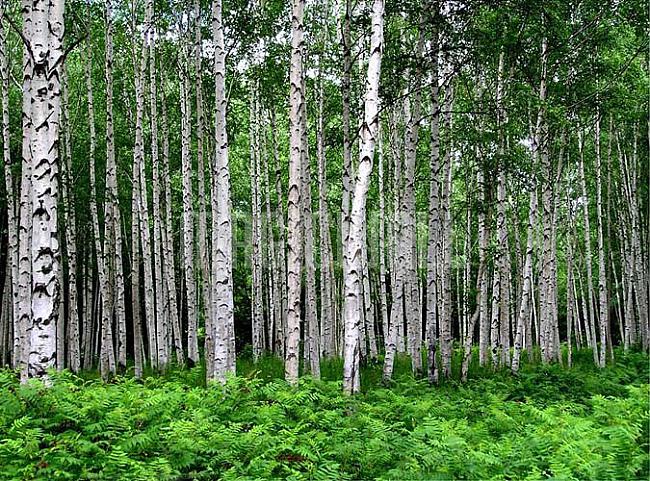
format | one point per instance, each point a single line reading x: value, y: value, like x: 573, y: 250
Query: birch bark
x: 118, y: 289
x: 221, y: 296
x: 67, y: 188
x: 296, y: 99
x: 169, y: 264
x: 12, y: 207
x: 188, y: 220
x: 282, y: 254
x: 46, y: 43
x: 353, y: 248
x: 434, y: 220
x: 162, y: 328
x: 327, y: 332
x: 591, y: 320
x: 23, y: 320
x: 312, y: 346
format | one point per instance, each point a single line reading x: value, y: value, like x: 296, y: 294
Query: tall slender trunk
x: 162, y: 326
x: 312, y: 334
x: 327, y: 332
x: 202, y: 240
x: 352, y: 263
x: 394, y: 339
x: 23, y: 320
x: 504, y: 272
x: 434, y: 220
x: 570, y: 297
x: 169, y: 264
x: 483, y: 279
x: 221, y: 295
x: 257, y: 310
x: 118, y: 269
x: 274, y: 301
x: 446, y: 338
x: 139, y: 253
x: 67, y: 190
x: 296, y: 146
x: 346, y: 88
x: 608, y: 207
x: 398, y: 274
x: 412, y: 107
x: 527, y: 298
x: 382, y: 242
x: 547, y: 281
x: 638, y: 275
x: 150, y: 311
x: 12, y: 208
x: 45, y: 38
x: 591, y: 320
x: 282, y: 259
x: 467, y: 273
x: 99, y: 249
x: 188, y: 218
x: 602, y: 273
x: 503, y: 247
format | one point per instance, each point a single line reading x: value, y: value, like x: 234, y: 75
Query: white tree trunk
x: 280, y: 335
x: 23, y: 321
x: 446, y: 338
x: 72, y: 322
x: 591, y: 320
x: 312, y: 336
x: 483, y: 235
x: 347, y: 141
x: 204, y: 201
x: 46, y: 42
x: 274, y: 297
x: 257, y: 310
x: 394, y: 340
x: 412, y: 108
x: 99, y: 249
x: 382, y: 243
x: 221, y: 296
x: 602, y: 273
x: 169, y: 264
x: 12, y: 314
x: 162, y: 327
x: 115, y: 256
x: 327, y: 333
x: 296, y: 146
x: 527, y: 293
x: 188, y: 221
x: 353, y: 248
x: 434, y: 221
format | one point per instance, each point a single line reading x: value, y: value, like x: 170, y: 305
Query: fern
x: 174, y: 428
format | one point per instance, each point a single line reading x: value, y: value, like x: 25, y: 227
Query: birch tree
x: 352, y: 262
x: 591, y: 322
x: 162, y: 327
x: 221, y: 296
x: 327, y: 332
x: 188, y: 217
x: 67, y: 190
x: 12, y: 207
x: 434, y: 220
x: 294, y: 214
x: 45, y: 31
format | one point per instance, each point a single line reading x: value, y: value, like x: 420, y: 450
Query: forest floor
x: 549, y: 422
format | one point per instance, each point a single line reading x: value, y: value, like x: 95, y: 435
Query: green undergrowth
x: 548, y: 422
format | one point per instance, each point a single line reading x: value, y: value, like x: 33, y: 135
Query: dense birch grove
x: 189, y: 182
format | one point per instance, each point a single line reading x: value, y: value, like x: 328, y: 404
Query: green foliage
x: 579, y: 423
